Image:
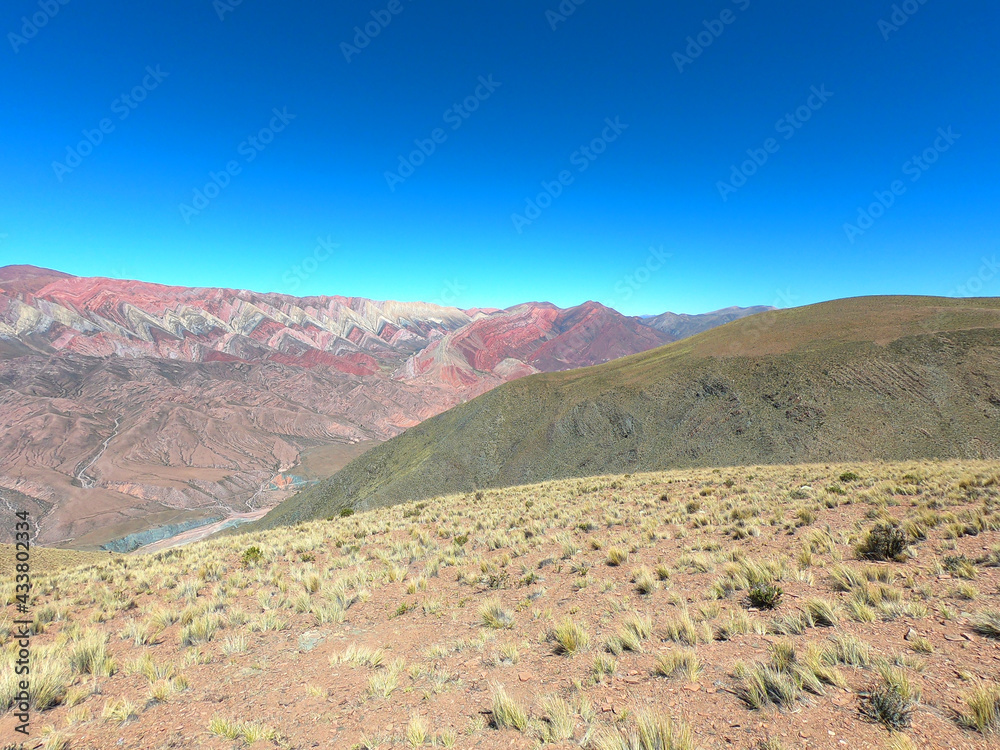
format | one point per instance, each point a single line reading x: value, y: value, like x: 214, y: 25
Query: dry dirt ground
x: 609, y: 613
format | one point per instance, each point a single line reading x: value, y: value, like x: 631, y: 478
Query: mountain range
x: 129, y: 407
x: 876, y: 378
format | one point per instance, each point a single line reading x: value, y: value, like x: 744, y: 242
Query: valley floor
x: 604, y: 612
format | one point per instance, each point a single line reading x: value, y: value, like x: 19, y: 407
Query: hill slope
x: 868, y: 378
x: 580, y: 604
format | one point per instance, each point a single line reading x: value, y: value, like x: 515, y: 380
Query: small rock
x: 524, y: 676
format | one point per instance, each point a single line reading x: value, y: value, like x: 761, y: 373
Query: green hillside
x: 877, y: 378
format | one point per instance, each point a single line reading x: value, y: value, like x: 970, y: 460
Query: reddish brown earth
x: 126, y: 406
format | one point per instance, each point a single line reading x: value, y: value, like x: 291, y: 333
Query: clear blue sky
x: 446, y: 232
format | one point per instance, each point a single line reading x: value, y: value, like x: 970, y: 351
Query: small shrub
x: 887, y: 707
x: 346, y: 512
x: 120, y: 712
x: 630, y: 636
x: 761, y: 684
x: 604, y: 666
x: 849, y: 650
x: 891, y: 702
x: 507, y: 712
x: 493, y: 615
x: 89, y: 655
x: 987, y: 623
x: 557, y: 719
x: 251, y: 556
x: 682, y: 629
x: 982, y: 709
x: 645, y: 581
x: 885, y: 541
x: 765, y: 596
x: 569, y: 637
x: 679, y: 661
x: 650, y: 731
x: 416, y: 731
x: 616, y: 556
x: 821, y: 613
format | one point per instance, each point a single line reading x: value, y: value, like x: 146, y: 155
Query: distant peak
x: 26, y: 278
x: 27, y: 271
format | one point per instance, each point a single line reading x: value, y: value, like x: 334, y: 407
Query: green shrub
x: 892, y: 700
x: 887, y: 707
x: 252, y: 556
x: 765, y: 595
x: 885, y: 541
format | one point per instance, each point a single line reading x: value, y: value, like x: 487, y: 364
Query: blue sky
x: 464, y: 155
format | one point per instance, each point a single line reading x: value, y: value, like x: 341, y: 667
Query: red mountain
x: 127, y: 405
x: 534, y: 337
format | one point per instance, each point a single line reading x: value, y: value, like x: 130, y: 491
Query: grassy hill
x: 729, y: 605
x: 885, y: 378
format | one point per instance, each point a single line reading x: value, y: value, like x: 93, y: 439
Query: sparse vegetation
x: 412, y: 610
x: 493, y: 615
x: 987, y: 623
x: 251, y: 556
